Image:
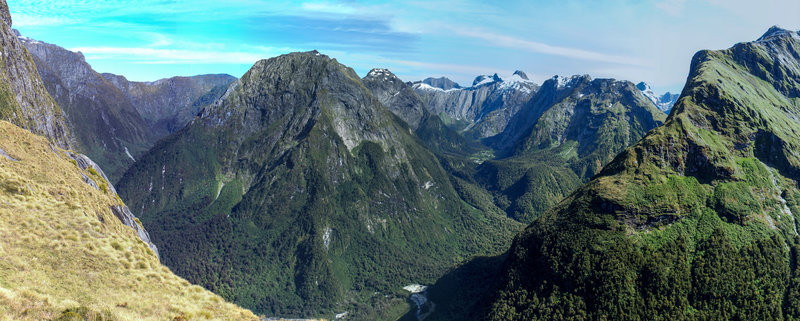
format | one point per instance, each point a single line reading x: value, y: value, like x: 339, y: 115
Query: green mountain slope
x: 65, y: 253
x: 564, y: 135
x: 300, y: 194
x: 694, y: 222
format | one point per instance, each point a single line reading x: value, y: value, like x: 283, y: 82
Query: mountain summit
x: 299, y: 193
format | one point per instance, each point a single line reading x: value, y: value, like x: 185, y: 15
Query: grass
x: 65, y: 256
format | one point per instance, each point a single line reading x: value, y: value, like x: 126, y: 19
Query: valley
x: 303, y: 190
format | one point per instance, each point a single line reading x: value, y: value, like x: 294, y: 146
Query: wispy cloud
x: 543, y: 48
x: 330, y: 8
x: 672, y: 7
x: 28, y: 20
x: 178, y: 56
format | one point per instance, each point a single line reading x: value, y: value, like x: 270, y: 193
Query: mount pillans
x: 302, y: 190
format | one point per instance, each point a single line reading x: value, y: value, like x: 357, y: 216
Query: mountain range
x: 279, y: 194
x: 694, y: 222
x: 304, y: 190
x: 113, y: 120
x: 663, y: 102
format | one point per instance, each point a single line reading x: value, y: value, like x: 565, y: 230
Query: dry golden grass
x: 62, y: 248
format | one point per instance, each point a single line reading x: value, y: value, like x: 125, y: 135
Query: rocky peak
x: 562, y: 82
x: 396, y: 95
x: 485, y: 80
x: 443, y: 83
x: 5, y: 14
x: 319, y: 85
x: 521, y: 74
x: 663, y: 102
x: 776, y: 31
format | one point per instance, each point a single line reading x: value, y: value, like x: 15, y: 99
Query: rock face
x: 696, y: 221
x: 169, y: 104
x: 297, y: 174
x: 663, y: 102
x: 482, y: 110
x: 396, y: 95
x: 442, y: 83
x: 23, y: 98
x: 402, y: 100
x: 113, y: 120
x: 104, y: 123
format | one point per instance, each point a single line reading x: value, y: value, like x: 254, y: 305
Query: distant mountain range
x: 303, y: 190
x: 294, y: 197
x: 482, y: 110
x: 695, y: 221
x: 113, y: 120
x: 663, y: 102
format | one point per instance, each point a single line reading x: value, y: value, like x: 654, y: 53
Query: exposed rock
x: 102, y: 119
x: 396, y: 95
x: 482, y: 110
x: 169, y: 104
x: 24, y: 101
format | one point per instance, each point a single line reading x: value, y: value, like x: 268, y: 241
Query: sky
x: 636, y: 40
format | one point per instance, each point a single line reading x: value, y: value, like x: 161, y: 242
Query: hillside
x: 300, y: 194
x: 65, y: 252
x: 694, y: 222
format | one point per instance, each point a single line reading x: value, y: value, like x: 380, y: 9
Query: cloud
x: 672, y: 7
x: 27, y: 20
x: 330, y: 8
x: 178, y: 56
x: 543, y: 48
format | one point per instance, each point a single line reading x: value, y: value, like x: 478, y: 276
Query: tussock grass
x: 65, y: 256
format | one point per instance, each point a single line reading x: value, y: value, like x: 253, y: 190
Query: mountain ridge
x: 691, y: 222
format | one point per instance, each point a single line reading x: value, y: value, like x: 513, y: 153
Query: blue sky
x: 637, y: 40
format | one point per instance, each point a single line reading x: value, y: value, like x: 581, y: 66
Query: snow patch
x: 427, y: 185
x: 342, y: 315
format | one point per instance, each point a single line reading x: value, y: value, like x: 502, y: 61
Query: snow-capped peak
x: 486, y: 79
x: 564, y: 82
x: 521, y: 74
x: 378, y: 72
x: 776, y: 31
x: 663, y: 102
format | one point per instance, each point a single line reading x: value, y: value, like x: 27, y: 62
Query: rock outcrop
x: 23, y: 98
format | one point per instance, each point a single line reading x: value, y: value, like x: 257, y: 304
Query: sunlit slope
x: 63, y: 252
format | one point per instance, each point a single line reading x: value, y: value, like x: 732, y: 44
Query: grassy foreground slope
x: 64, y: 254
